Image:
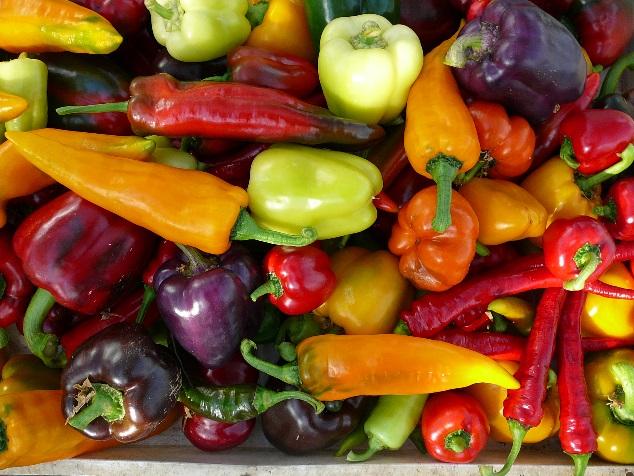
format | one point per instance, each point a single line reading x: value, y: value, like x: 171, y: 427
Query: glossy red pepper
x: 166, y: 250
x: 211, y: 435
x: 605, y: 28
x: 595, y: 139
x: 299, y: 279
x: 577, y: 250
x: 598, y: 344
x: 127, y: 16
x: 15, y: 287
x: 454, y: 426
x: 259, y: 67
x: 617, y: 213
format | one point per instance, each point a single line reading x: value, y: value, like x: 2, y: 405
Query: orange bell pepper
x: 11, y: 106
x: 441, y: 139
x: 35, y: 26
x: 429, y: 259
x: 284, y: 29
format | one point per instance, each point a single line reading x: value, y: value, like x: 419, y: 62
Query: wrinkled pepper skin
x: 428, y: 259
x: 25, y: 372
x: 519, y: 60
x: 125, y: 357
x: 293, y: 186
x: 127, y: 16
x: 15, y: 296
x: 82, y: 254
x: 80, y: 80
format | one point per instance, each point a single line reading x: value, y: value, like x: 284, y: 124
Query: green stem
x: 106, y: 402
x: 612, y: 79
x: 45, y: 346
x: 247, y: 229
x: 266, y: 399
x: 255, y: 13
x: 518, y: 432
x: 482, y: 165
x: 567, y: 154
x: 155, y: 7
x: 288, y: 373
x: 586, y: 184
x: 459, y: 52
x: 581, y: 462
x: 587, y: 258
x: 370, y: 36
x: 402, y: 328
x: 443, y: 170
x: 148, y: 297
x: 272, y: 286
x: 458, y: 441
x: 4, y: 338
x: 197, y: 262
x: 623, y: 405
x: 219, y: 79
x: 374, y: 447
x: 287, y: 351
x: 3, y: 285
x: 607, y: 211
x: 482, y: 250
x: 93, y: 108
x: 354, y: 439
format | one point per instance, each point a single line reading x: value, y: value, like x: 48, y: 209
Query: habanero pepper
x: 15, y: 287
x: 214, y: 212
x: 163, y: 106
x: 441, y: 139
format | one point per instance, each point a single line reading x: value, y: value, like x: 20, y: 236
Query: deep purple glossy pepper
x: 518, y: 55
x: 432, y: 20
x: 205, y: 303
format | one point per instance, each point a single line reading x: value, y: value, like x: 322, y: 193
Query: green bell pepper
x: 26, y: 77
x: 293, y: 186
x: 367, y: 66
x: 321, y: 12
x: 199, y: 30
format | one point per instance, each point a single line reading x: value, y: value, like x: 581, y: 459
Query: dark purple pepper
x: 518, y: 55
x: 433, y: 20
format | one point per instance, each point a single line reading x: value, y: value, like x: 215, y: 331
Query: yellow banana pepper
x: 517, y: 310
x: 11, y: 106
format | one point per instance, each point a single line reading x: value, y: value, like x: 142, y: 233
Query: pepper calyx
x: 273, y: 286
x: 288, y: 373
x: 587, y: 183
x: 196, y: 262
x: 458, y: 441
x: 622, y: 400
x: 567, y: 154
x: 370, y: 36
x: 607, y: 211
x: 94, y: 401
x: 256, y: 13
x: 587, y: 258
x: 246, y: 228
x: 443, y: 170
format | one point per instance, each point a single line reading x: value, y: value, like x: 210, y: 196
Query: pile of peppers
x: 414, y: 217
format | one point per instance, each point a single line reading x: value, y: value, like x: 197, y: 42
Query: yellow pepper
x: 492, y: 397
x: 517, y: 310
x: 506, y: 212
x: 11, y: 106
x: 24, y: 372
x: 284, y: 29
x: 605, y: 317
x: 370, y: 291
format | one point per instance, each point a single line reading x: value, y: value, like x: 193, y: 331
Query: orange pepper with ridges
x: 11, y: 106
x: 441, y: 139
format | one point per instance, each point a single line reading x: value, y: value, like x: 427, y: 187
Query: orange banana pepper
x: 284, y: 29
x: 431, y: 260
x: 509, y: 141
x: 335, y: 367
x: 440, y: 137
x: 18, y: 177
x: 35, y: 26
x: 11, y: 106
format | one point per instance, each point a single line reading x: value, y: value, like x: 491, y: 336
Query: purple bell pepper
x: 518, y: 55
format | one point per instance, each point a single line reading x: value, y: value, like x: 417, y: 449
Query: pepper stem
x: 266, y: 398
x: 607, y: 211
x: 197, y: 262
x: 256, y: 12
x: 482, y: 250
x: 374, y: 447
x: 287, y: 351
x: 354, y: 439
x: 288, y: 373
x: 45, y: 346
x: 3, y: 285
x: 458, y: 441
x: 272, y: 286
x: 155, y: 7
x: 93, y: 108
x: 369, y: 37
x: 587, y: 258
x: 443, y: 169
x: 460, y: 51
x: 4, y: 338
x: 148, y: 297
x: 480, y: 168
x: 518, y: 432
x: 622, y: 403
x: 104, y: 401
x: 586, y: 184
x: 247, y: 229
x: 567, y: 154
x: 612, y: 79
x: 581, y: 462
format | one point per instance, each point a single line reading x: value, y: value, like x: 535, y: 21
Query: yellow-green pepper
x: 24, y: 372
x: 292, y: 187
x: 367, y: 66
x: 517, y: 310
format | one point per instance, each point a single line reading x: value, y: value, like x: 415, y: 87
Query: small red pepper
x: 576, y: 435
x: 497, y: 345
x: 577, y: 250
x: 15, y: 287
x: 617, y: 213
x: 300, y: 279
x: 454, y: 426
x: 599, y: 344
x: 595, y: 139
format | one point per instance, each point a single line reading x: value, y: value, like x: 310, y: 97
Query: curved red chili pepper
x: 497, y: 345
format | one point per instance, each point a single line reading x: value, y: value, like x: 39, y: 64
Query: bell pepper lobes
x: 505, y: 211
x: 35, y: 26
x: 195, y: 30
x: 119, y: 385
x: 530, y: 81
x: 127, y: 16
x: 609, y: 376
x: 355, y: 305
x: 26, y: 77
x: 334, y: 367
x: 16, y: 289
x: 25, y: 372
x: 367, y: 66
x: 429, y: 259
x: 433, y: 20
x: 283, y: 29
x: 293, y: 186
x: 11, y: 106
x: 440, y: 136
x: 617, y: 212
x: 492, y: 397
x: 321, y: 12
x: 215, y: 210
x: 509, y: 141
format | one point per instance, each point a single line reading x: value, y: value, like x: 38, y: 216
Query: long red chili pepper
x: 523, y: 407
x: 598, y: 344
x: 497, y: 345
x: 576, y: 434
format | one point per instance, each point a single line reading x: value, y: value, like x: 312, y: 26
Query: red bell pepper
x: 127, y: 16
x: 617, y: 213
x: 300, y: 279
x: 577, y: 250
x: 15, y: 287
x: 454, y: 426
